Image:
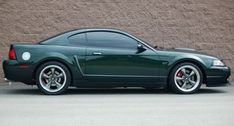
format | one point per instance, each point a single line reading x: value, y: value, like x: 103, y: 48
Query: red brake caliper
x: 179, y: 74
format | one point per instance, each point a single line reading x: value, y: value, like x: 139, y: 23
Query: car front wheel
x: 185, y: 78
x: 53, y: 78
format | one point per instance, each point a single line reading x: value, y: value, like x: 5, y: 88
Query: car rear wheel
x: 53, y: 78
x: 185, y: 78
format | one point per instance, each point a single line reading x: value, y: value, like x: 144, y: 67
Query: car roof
x: 69, y: 33
x: 74, y: 31
x: 61, y: 38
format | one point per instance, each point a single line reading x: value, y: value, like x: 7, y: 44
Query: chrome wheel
x: 187, y: 78
x: 52, y: 78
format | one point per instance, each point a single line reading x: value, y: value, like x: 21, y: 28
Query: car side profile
x: 108, y: 58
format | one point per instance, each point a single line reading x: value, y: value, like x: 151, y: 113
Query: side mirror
x: 140, y: 48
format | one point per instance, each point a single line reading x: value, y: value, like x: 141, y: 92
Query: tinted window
x: 78, y: 39
x: 110, y: 40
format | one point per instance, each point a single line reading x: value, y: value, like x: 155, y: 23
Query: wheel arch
x: 188, y: 60
x: 65, y: 63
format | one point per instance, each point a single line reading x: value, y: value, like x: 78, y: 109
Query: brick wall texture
x: 206, y: 25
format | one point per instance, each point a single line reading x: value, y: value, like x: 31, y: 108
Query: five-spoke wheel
x: 185, y: 78
x: 52, y: 78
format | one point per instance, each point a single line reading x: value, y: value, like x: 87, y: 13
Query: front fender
x: 188, y: 58
x: 194, y: 59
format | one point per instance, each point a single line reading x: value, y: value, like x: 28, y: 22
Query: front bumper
x: 14, y: 72
x: 218, y: 76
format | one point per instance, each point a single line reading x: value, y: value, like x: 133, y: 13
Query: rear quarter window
x: 78, y: 39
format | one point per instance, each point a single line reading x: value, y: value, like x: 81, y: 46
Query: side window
x: 110, y: 40
x: 78, y: 39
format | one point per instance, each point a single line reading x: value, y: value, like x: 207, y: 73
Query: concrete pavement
x: 22, y: 105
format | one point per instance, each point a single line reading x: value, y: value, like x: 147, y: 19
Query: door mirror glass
x: 140, y: 48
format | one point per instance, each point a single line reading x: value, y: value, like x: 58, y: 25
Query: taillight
x: 12, y: 55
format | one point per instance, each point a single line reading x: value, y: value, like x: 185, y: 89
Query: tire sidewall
x: 172, y: 84
x: 63, y: 89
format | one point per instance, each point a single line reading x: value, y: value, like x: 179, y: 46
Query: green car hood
x: 190, y: 51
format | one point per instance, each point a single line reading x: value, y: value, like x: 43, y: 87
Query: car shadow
x: 210, y: 91
x: 27, y: 91
x: 117, y: 91
x: 76, y: 91
x: 136, y: 91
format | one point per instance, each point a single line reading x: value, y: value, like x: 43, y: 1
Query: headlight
x: 218, y: 62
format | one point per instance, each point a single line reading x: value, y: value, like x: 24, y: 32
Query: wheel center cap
x: 186, y: 79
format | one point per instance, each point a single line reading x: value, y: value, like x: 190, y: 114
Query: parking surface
x: 22, y: 105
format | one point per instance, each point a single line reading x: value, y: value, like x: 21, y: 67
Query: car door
x: 113, y: 56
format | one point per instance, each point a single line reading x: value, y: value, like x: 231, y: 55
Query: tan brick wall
x: 206, y: 25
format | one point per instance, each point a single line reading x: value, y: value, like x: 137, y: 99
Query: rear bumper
x: 14, y: 72
x: 218, y: 76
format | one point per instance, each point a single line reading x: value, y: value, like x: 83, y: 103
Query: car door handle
x: 97, y: 53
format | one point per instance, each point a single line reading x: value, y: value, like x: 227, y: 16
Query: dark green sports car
x: 107, y: 58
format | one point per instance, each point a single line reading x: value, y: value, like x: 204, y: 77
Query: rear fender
x: 67, y: 61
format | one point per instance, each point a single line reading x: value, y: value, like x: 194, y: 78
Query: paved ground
x: 24, y: 106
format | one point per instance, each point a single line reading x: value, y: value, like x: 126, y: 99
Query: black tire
x: 66, y: 80
x: 173, y: 84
